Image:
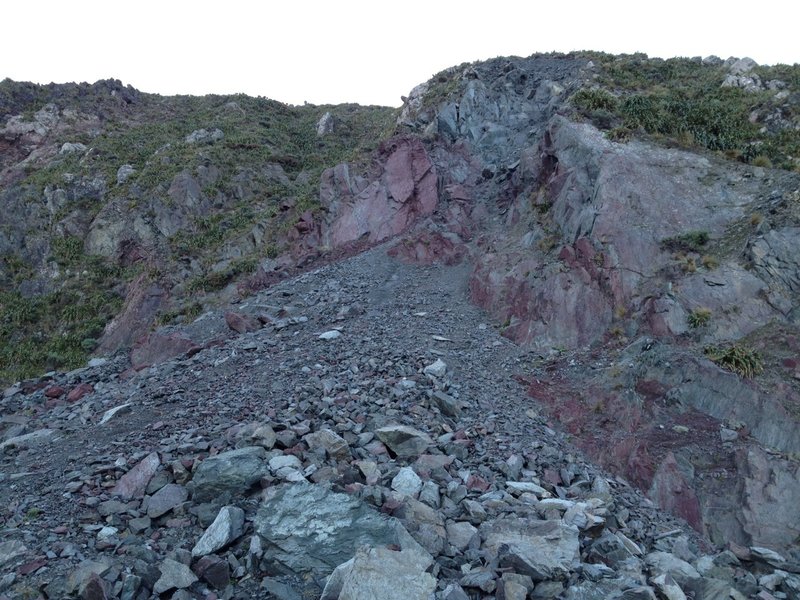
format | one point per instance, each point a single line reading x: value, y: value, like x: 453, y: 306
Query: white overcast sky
x: 370, y: 52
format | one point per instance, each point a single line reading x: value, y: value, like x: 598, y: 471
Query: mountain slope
x: 629, y: 224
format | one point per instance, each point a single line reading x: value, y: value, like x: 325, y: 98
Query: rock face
x: 405, y: 191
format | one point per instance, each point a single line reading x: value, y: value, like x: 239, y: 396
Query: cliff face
x: 639, y: 274
x: 642, y: 246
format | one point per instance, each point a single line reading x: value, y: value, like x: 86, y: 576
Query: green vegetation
x: 742, y: 360
x: 692, y: 241
x: 699, y: 317
x: 216, y: 280
x: 682, y: 100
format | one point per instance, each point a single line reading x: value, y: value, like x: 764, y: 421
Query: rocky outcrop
x: 405, y: 191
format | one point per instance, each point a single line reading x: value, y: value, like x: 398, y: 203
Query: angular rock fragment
x: 173, y: 575
x: 226, y: 528
x: 404, y: 441
x: 134, y: 483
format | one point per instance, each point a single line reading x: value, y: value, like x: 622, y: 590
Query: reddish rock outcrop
x: 380, y: 208
x: 157, y: 348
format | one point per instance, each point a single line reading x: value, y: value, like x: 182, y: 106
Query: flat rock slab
x: 541, y: 549
x: 173, y: 575
x: 308, y: 528
x: 165, y: 499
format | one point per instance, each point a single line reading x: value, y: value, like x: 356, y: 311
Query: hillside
x: 535, y: 333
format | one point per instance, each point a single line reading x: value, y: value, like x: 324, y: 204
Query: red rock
x: 79, y: 392
x: 54, y: 391
x: 134, y: 483
x: 242, y: 323
x: 213, y: 570
x: 156, y: 348
x: 32, y: 566
x: 477, y: 483
x: 143, y: 301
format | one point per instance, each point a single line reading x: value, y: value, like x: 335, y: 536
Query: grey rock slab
x: 29, y: 440
x: 334, y: 444
x: 446, y: 404
x: 226, y: 528
x: 10, y: 551
x: 165, y: 499
x: 308, y: 528
x: 173, y: 575
x: 665, y: 563
x: 404, y: 441
x: 387, y: 574
x: 437, y: 369
x: 460, y: 533
x: 541, y: 549
x: 235, y: 471
x: 668, y: 587
x: 134, y: 483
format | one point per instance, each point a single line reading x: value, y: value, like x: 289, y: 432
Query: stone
x: 543, y: 550
x: 134, y: 483
x: 404, y: 441
x: 388, y: 574
x: 241, y: 323
x: 214, y: 571
x: 437, y: 369
x: 10, y: 551
x: 331, y: 442
x: 94, y: 588
x: 165, y: 499
x: 667, y: 587
x: 448, y: 405
x: 325, y: 125
x: 28, y: 440
x: 665, y: 563
x: 483, y: 580
x: 173, y: 575
x: 728, y: 435
x: 111, y: 413
x: 307, y: 528
x: 330, y: 335
x: 226, y: 528
x: 72, y: 148
x: 234, y: 471
x: 79, y: 391
x: 407, y: 482
x: 124, y: 173
x: 203, y: 136
x: 460, y: 534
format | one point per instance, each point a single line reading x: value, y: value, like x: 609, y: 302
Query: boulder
x: 226, y: 528
x: 543, y: 550
x: 234, y: 471
x: 307, y: 528
x: 383, y: 573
